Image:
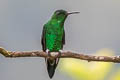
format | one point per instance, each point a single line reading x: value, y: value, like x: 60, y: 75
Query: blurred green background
x: 94, y: 31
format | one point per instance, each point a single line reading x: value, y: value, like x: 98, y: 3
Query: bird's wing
x: 63, y: 38
x: 43, y: 41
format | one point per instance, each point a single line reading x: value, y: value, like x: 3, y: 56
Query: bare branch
x: 68, y: 54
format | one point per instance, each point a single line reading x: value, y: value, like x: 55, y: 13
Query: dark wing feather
x: 43, y: 42
x: 63, y: 39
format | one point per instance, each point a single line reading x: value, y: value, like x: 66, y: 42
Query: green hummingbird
x: 53, y: 38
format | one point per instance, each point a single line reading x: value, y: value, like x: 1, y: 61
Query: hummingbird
x: 53, y: 38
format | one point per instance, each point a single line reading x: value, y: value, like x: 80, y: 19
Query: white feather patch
x: 54, y: 53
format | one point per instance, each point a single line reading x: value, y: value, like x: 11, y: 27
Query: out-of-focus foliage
x: 115, y: 76
x: 83, y: 70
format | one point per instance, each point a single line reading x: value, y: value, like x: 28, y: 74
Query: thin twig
x: 67, y: 54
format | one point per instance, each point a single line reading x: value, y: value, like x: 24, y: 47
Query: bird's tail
x: 51, y: 66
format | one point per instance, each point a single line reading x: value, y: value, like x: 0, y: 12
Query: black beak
x: 73, y: 13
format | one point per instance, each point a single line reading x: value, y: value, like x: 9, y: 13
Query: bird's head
x: 62, y: 14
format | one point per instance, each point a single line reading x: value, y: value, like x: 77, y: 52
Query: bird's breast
x: 54, y: 39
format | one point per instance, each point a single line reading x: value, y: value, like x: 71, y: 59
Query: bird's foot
x: 53, y: 54
x: 60, y: 51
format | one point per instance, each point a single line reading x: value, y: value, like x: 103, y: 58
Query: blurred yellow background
x: 84, y: 70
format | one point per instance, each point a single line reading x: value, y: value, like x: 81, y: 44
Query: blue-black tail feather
x: 51, y: 66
